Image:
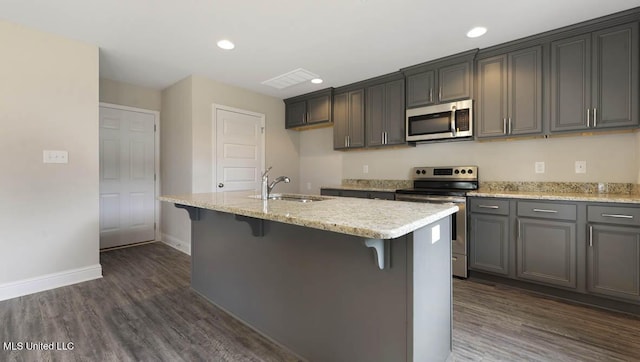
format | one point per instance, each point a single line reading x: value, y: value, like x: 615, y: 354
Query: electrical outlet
x: 539, y: 167
x: 365, y: 168
x: 55, y: 156
x: 581, y: 166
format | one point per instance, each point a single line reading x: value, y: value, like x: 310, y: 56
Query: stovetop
x: 448, y: 181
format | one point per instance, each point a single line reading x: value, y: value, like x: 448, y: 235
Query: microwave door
x: 430, y: 124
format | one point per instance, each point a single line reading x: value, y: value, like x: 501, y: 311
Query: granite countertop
x: 361, y: 188
x: 376, y: 219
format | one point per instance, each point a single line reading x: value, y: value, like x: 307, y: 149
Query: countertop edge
x: 605, y: 198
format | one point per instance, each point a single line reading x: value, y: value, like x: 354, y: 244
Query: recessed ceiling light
x: 226, y: 44
x: 316, y: 80
x: 476, y: 32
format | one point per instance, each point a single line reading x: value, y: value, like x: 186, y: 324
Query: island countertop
x: 376, y: 219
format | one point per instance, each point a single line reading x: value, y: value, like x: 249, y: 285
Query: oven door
x: 458, y: 228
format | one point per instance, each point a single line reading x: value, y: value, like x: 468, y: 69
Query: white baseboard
x: 177, y: 244
x: 49, y: 281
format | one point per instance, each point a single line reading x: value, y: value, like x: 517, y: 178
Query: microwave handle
x: 453, y: 120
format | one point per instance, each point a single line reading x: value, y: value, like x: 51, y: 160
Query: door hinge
x: 155, y: 128
x: 154, y: 177
x: 154, y: 226
x: 262, y: 130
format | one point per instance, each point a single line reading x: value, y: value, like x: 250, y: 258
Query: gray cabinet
x: 489, y: 235
x: 363, y: 194
x: 594, y: 80
x: 613, y: 252
x: 509, y: 96
x: 308, y: 110
x: 348, y: 118
x: 385, y: 117
x: 444, y: 80
x: 546, y: 243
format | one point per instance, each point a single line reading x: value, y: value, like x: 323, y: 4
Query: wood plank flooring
x: 144, y: 310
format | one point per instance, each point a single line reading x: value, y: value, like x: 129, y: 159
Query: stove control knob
x: 463, y: 172
x: 424, y: 172
x: 456, y: 172
x: 470, y: 171
x: 417, y: 172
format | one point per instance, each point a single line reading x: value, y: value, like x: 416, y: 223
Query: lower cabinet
x: 613, y: 252
x: 546, y: 251
x: 584, y: 247
x: 362, y: 194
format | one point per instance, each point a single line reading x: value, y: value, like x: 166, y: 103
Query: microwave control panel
x: 462, y: 120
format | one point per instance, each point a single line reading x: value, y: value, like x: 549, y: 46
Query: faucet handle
x: 266, y: 172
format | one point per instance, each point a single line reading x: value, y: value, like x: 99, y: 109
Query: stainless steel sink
x: 296, y: 198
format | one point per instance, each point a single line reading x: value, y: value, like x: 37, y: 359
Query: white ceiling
x: 155, y: 43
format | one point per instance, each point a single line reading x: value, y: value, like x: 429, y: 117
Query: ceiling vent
x: 291, y: 78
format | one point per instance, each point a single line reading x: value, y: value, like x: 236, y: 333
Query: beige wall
x: 320, y: 165
x: 187, y: 143
x: 610, y: 158
x: 125, y: 94
x: 49, y: 213
x: 176, y: 149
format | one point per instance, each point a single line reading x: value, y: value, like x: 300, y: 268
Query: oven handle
x: 436, y: 199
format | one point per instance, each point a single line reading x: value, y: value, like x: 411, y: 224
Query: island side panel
x: 430, y: 293
x: 318, y: 293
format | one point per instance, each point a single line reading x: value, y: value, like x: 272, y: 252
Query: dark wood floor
x: 143, y: 310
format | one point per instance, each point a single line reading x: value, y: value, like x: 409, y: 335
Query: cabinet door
x: 491, y: 106
x: 615, y: 77
x: 394, y: 115
x: 319, y: 109
x: 489, y: 243
x: 547, y: 251
x: 570, y: 83
x: 454, y: 82
x: 421, y: 89
x: 340, y: 120
x: 356, y: 118
x: 525, y: 92
x: 296, y: 114
x: 375, y: 115
x: 613, y: 261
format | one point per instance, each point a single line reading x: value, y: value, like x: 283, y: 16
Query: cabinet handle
x: 440, y: 94
x: 590, y: 235
x: 430, y: 94
x: 509, y: 125
x: 386, y: 138
x: 595, y: 117
x: 518, y: 231
x: 546, y: 211
x: 346, y: 142
x: 382, y: 137
x: 489, y: 206
x: 588, y: 119
x: 504, y: 125
x: 618, y: 216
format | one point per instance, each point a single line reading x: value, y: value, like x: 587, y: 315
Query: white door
x: 127, y: 177
x: 239, y: 153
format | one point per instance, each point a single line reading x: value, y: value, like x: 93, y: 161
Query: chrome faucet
x: 266, y: 187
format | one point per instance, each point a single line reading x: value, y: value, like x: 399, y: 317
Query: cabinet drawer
x: 614, y: 215
x: 545, y: 210
x: 489, y: 206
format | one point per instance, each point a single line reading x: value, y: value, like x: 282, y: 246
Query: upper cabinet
x: 384, y: 116
x: 309, y: 110
x: 509, y: 94
x: 594, y: 80
x: 348, y: 117
x: 444, y: 80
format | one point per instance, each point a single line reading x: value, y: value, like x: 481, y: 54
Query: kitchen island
x: 331, y: 279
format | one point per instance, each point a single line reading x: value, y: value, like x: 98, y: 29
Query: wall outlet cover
x: 581, y: 166
x: 539, y: 166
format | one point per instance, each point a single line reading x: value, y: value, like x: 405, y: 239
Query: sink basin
x: 296, y: 198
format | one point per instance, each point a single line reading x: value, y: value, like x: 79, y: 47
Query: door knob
x: 220, y: 185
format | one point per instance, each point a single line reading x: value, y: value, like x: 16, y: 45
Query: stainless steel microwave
x: 441, y: 121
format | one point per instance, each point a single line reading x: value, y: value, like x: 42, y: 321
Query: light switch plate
x: 49, y: 156
x: 581, y: 166
x: 539, y: 167
x: 365, y: 168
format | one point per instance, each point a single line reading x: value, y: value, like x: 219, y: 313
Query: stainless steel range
x: 446, y: 185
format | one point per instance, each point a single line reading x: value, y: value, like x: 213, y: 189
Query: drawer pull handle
x: 618, y: 216
x: 488, y: 206
x: 546, y: 211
